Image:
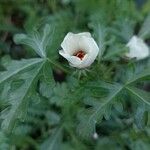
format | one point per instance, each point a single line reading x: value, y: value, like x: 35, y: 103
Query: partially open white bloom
x: 137, y: 48
x: 79, y: 49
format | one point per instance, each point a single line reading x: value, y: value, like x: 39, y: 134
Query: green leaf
x: 100, y: 33
x: 48, y: 74
x: 123, y: 29
x: 145, y: 29
x: 145, y: 74
x: 9, y: 28
x: 60, y: 94
x: 115, y: 51
x: 35, y: 40
x: 47, y: 81
x: 116, y: 89
x: 141, y: 116
x: 100, y: 110
x: 107, y: 143
x: 16, y: 67
x: 140, y: 144
x: 139, y: 94
x: 19, y: 99
x: 53, y: 142
x: 52, y: 118
x: 4, y: 141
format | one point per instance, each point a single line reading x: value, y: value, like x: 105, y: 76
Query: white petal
x: 74, y: 61
x: 70, y: 43
x: 137, y: 48
x: 87, y: 34
x: 93, y: 50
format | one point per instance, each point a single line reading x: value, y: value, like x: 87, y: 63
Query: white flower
x: 137, y: 48
x: 79, y: 49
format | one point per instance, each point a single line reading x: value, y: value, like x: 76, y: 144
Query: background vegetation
x: 45, y: 104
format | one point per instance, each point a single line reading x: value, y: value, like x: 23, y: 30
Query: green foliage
x: 54, y: 142
x: 23, y: 76
x: 19, y: 98
x: 38, y: 42
x: 3, y: 141
x: 100, y: 109
x: 46, y: 104
x: 145, y: 31
x: 16, y: 67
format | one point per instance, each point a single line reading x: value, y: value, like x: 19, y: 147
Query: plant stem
x: 58, y: 65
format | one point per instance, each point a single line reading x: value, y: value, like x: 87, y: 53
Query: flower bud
x: 137, y: 48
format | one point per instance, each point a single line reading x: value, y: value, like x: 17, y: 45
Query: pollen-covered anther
x: 80, y: 54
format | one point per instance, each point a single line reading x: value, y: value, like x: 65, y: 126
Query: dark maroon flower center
x: 80, y: 54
